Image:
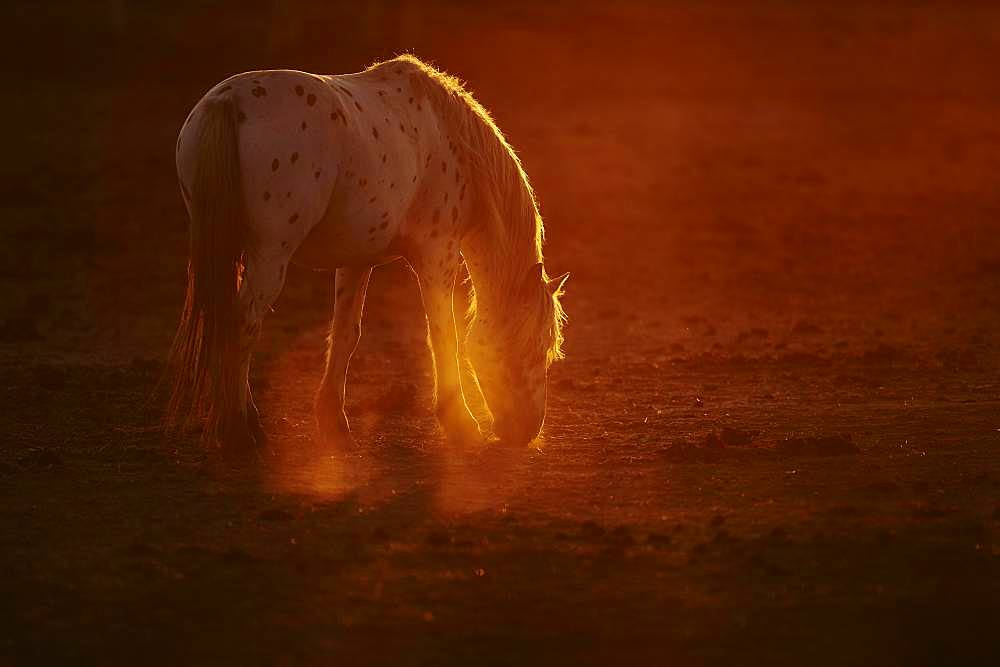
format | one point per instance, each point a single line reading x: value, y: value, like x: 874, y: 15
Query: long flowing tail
x: 204, y: 365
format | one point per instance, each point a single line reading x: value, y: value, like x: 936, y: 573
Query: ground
x: 774, y: 438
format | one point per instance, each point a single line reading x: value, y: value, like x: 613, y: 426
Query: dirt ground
x: 774, y: 439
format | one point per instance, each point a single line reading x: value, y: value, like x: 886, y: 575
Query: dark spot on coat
x: 411, y: 100
x: 371, y: 230
x: 375, y: 132
x: 316, y: 175
x: 295, y: 157
x: 299, y: 90
x: 267, y: 195
x: 310, y: 99
x: 372, y: 200
x: 444, y: 167
x: 304, y: 125
x: 363, y: 182
x: 274, y: 164
x: 383, y: 158
x: 340, y: 291
x: 259, y: 91
x: 384, y: 225
x: 292, y: 220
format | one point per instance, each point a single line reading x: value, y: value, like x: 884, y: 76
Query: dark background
x: 781, y: 219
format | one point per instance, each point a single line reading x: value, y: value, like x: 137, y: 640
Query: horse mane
x: 506, y: 205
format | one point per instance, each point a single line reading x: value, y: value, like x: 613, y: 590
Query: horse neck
x: 503, y: 240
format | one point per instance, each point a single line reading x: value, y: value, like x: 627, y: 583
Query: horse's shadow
x: 394, y: 467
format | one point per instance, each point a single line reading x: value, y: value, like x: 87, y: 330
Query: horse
x: 348, y: 172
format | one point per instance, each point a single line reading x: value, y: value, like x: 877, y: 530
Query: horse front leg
x: 331, y: 418
x: 436, y: 289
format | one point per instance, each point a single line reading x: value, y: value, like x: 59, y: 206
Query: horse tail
x: 204, y: 364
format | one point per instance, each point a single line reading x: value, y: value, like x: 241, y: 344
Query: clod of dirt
x: 883, y: 486
x: 621, y: 536
x: 438, y: 538
x: 50, y: 378
x: 712, y: 441
x: 146, y: 366
x: 827, y: 445
x: 923, y: 510
x: 885, y: 355
x: 19, y: 330
x: 734, y: 437
x: 275, y: 514
x: 758, y: 562
x: 806, y: 328
x: 40, y: 458
x: 659, y: 540
x: 590, y: 530
x: 141, y: 548
x: 236, y: 555
x: 709, y: 450
x: 778, y: 534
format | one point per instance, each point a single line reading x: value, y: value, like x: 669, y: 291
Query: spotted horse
x: 348, y: 172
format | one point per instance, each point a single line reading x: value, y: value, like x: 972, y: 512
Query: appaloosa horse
x: 353, y: 171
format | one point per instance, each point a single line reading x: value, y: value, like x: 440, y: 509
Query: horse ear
x: 556, y: 284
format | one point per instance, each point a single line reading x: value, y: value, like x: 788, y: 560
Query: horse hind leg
x: 331, y: 418
x: 263, y: 280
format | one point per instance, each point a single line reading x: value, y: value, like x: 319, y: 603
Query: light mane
x: 506, y: 204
